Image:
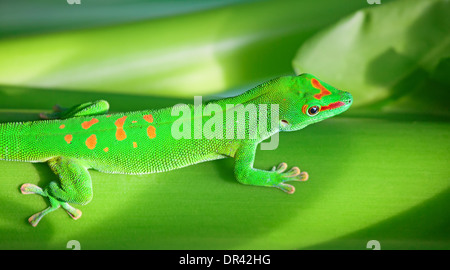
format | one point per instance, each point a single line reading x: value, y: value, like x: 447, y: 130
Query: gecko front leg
x: 246, y: 174
x: 86, y: 109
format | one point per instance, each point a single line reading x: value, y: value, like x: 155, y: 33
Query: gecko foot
x: 54, y: 204
x: 294, y: 174
x: 56, y: 114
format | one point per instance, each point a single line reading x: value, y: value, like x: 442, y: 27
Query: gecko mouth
x: 346, y: 101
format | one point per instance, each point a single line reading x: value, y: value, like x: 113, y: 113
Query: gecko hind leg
x: 75, y: 187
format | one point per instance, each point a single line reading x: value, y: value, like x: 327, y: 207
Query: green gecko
x: 86, y: 136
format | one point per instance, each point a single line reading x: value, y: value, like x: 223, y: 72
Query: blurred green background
x: 380, y: 171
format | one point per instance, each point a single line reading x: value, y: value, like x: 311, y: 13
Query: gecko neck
x: 255, y: 106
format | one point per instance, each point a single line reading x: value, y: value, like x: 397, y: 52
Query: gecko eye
x: 313, y: 110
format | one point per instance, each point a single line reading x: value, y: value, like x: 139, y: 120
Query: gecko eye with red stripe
x: 313, y: 110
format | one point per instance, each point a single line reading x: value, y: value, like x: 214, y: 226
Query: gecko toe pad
x: 73, y: 212
x: 75, y: 215
x: 292, y: 172
x: 31, y: 189
x: 289, y: 189
x: 34, y: 219
x: 304, y: 176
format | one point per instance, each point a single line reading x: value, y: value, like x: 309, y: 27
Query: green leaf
x: 25, y: 17
x: 358, y: 190
x: 394, y: 59
x: 373, y: 175
x: 197, y: 53
x: 384, y: 54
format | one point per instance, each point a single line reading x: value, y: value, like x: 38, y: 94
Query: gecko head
x: 307, y: 100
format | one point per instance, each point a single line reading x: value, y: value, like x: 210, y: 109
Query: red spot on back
x: 151, y: 132
x: 91, y: 141
x: 62, y: 126
x: 134, y: 144
x: 88, y: 124
x: 332, y: 105
x: 120, y: 133
x: 106, y: 149
x: 323, y: 91
x: 68, y: 138
x: 148, y: 118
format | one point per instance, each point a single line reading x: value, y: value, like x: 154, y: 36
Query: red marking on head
x: 91, y: 141
x: 120, y: 133
x: 88, y: 124
x: 109, y: 115
x: 332, y: 105
x: 151, y: 132
x: 68, y: 138
x: 148, y: 118
x: 323, y: 91
x: 62, y: 126
x: 304, y: 107
x: 106, y: 149
x: 134, y: 121
x: 134, y: 144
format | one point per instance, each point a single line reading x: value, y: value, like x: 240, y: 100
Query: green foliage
x: 199, y: 53
x: 379, y: 171
x: 386, y: 55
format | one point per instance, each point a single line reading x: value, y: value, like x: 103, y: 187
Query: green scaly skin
x: 86, y: 137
